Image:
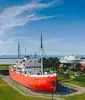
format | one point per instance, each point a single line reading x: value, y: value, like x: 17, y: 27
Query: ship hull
x: 36, y: 82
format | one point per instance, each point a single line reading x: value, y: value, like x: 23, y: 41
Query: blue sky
x: 62, y: 23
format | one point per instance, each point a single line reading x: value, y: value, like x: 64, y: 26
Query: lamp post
x: 53, y: 85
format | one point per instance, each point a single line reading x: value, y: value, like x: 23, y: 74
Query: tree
x: 51, y: 63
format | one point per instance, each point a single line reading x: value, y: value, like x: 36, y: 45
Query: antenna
x: 41, y: 49
x: 18, y: 50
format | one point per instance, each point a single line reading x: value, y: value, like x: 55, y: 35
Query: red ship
x: 29, y: 73
x: 36, y: 82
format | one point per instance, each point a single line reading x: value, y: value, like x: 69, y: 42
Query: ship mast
x: 18, y: 50
x: 41, y: 47
x: 35, y: 55
x: 25, y: 51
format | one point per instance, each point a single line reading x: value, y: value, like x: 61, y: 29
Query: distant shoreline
x: 33, y: 56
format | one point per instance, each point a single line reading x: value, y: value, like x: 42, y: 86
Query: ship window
x: 23, y: 64
x: 23, y: 60
x: 20, y: 61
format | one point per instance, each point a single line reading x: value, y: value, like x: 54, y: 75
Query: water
x: 15, y: 56
x: 64, y: 90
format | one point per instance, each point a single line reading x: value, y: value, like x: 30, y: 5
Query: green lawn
x: 2, y: 82
x: 76, y: 97
x: 79, y: 80
x: 4, y: 67
x: 75, y: 82
x: 8, y: 93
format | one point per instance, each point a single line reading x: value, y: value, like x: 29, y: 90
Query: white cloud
x: 13, y: 16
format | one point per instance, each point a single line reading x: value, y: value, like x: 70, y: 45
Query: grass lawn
x: 4, y: 67
x: 76, y: 97
x: 8, y: 93
x: 2, y: 82
x: 74, y: 82
x: 79, y: 80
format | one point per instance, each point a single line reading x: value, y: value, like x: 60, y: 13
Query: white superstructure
x: 70, y: 59
x: 27, y: 66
